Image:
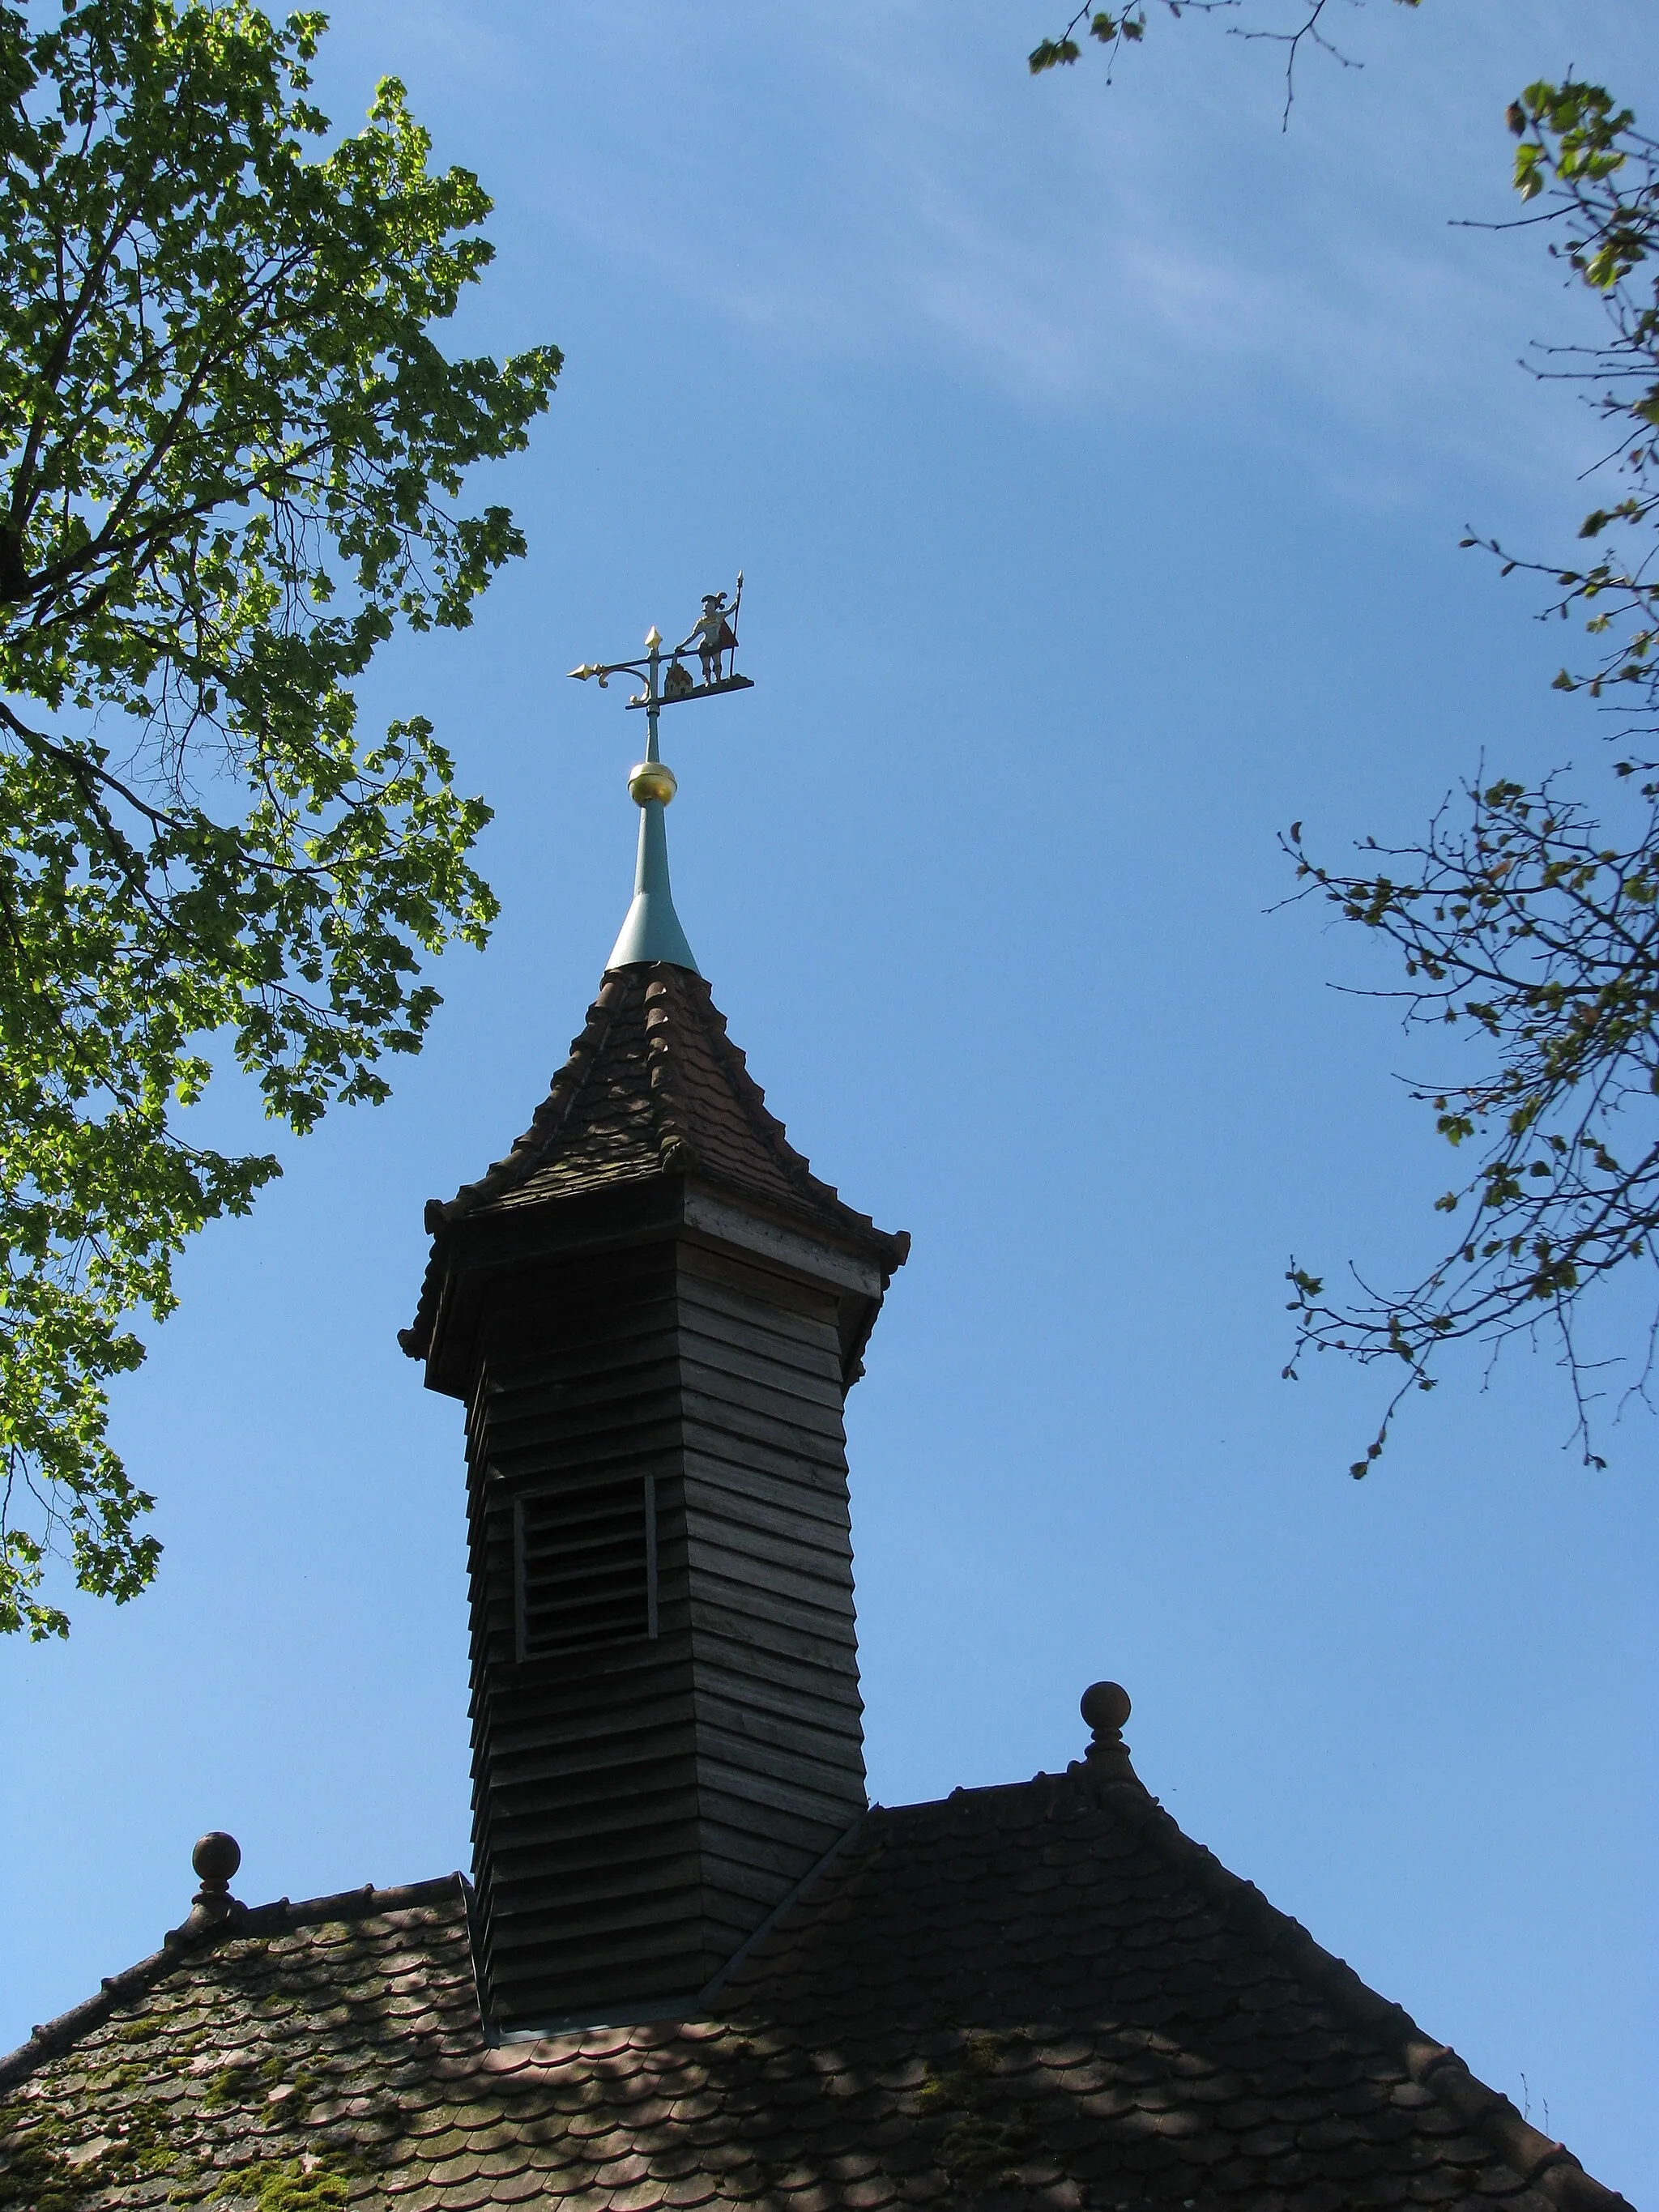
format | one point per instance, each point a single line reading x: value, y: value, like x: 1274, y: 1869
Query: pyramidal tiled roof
x: 653, y: 1086
x: 1043, y: 1998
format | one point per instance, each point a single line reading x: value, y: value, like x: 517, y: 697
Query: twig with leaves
x: 1111, y: 31
x: 1529, y: 927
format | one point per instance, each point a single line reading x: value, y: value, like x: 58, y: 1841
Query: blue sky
x: 1097, y: 455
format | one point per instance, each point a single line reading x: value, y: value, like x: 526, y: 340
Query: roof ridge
x: 1539, y: 2161
x: 52, y: 2037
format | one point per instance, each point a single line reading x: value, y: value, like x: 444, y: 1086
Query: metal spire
x: 652, y: 930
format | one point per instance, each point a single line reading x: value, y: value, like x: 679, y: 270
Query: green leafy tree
x: 233, y: 455
x: 1527, y: 919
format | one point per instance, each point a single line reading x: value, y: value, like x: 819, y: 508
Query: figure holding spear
x: 715, y: 633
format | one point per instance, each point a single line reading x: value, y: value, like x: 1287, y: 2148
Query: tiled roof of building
x: 653, y: 1086
x: 1037, y: 1996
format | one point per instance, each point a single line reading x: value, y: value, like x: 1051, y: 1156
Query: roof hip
x: 1537, y: 2158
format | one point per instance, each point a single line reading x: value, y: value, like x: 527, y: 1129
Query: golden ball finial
x: 651, y: 780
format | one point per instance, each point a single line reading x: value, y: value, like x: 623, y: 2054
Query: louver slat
x: 586, y: 1567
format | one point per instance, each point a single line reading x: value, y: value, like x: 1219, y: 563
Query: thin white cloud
x: 881, y: 180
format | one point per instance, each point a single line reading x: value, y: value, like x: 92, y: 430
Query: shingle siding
x: 640, y: 1806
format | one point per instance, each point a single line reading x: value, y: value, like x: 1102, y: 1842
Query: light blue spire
x: 652, y: 930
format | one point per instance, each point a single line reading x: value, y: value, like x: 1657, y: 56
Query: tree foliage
x: 232, y: 455
x: 1528, y: 924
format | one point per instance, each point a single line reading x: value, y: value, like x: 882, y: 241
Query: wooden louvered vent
x: 586, y: 1566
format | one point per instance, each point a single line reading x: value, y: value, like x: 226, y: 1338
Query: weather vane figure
x: 716, y: 631
x: 714, y: 637
x: 652, y: 931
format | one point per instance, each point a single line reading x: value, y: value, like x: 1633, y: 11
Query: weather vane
x: 714, y: 636
x: 652, y: 931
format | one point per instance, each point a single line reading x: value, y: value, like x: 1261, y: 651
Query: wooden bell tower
x: 653, y: 1310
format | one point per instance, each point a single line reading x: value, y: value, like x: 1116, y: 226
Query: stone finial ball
x: 1105, y: 1707
x: 217, y: 1856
